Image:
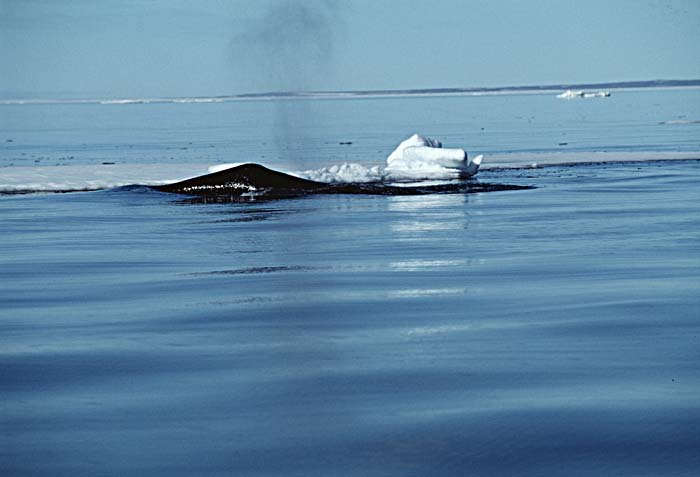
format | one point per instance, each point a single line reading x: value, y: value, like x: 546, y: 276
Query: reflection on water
x: 249, y: 214
x: 420, y: 218
x: 422, y: 264
x: 433, y: 201
x: 419, y: 292
x: 408, y: 230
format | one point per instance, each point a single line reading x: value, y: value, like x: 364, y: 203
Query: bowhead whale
x: 242, y: 179
x: 415, y: 158
x: 251, y: 180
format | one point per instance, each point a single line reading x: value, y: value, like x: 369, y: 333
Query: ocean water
x: 550, y: 331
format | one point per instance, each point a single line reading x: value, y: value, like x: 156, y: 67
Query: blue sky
x: 175, y: 48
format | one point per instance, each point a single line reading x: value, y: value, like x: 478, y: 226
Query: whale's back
x: 241, y: 179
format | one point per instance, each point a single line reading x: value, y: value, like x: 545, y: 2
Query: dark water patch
x: 257, y: 270
x: 248, y: 218
x: 248, y: 214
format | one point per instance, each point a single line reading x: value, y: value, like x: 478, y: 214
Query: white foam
x: 358, y: 173
x: 345, y: 173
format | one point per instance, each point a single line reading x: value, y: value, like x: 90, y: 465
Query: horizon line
x: 360, y: 93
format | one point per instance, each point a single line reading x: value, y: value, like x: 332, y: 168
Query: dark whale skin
x: 239, y: 180
x: 254, y: 179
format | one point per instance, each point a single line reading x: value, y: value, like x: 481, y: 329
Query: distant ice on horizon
x: 571, y: 94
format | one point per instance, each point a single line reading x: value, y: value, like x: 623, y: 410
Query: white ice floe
x: 416, y: 158
x: 420, y: 157
x: 125, y: 101
x: 345, y: 173
x: 681, y: 121
x: 570, y: 94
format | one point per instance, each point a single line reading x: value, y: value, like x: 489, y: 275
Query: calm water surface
x: 553, y: 331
